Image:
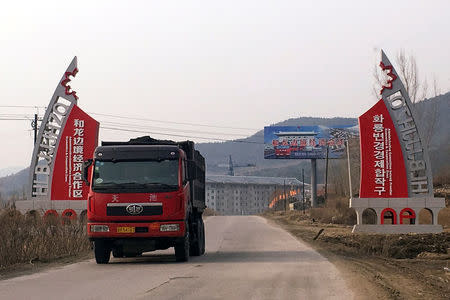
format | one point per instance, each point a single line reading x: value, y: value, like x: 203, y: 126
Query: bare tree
x: 416, y: 87
x: 338, y: 177
x: 408, y: 71
x: 428, y: 115
x: 409, y: 74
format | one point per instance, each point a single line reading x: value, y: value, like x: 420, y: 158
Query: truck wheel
x: 132, y: 254
x: 117, y: 252
x: 202, y: 226
x: 102, y: 252
x: 196, y: 246
x: 182, y: 248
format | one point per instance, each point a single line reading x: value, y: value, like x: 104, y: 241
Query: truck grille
x: 134, y: 209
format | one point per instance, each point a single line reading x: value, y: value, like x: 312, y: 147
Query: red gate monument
x: 396, y: 180
x: 67, y: 136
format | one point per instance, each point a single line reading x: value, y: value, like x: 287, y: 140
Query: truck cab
x: 146, y: 195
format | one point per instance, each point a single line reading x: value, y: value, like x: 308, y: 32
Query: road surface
x: 246, y: 258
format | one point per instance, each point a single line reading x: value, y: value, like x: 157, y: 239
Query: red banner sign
x: 78, y: 142
x: 383, y: 173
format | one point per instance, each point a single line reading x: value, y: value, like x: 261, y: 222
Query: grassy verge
x: 26, y: 239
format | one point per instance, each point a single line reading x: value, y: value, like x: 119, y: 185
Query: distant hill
x: 9, y: 171
x: 250, y: 150
x: 14, y: 185
x: 437, y: 108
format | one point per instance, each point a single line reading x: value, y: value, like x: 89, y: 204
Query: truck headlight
x: 99, y: 228
x: 169, y: 227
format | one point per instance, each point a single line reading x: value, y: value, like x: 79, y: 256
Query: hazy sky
x: 224, y: 63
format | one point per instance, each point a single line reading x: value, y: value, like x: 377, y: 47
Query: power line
x: 21, y: 117
x: 179, y: 135
x: 22, y: 106
x: 18, y: 117
x: 15, y: 115
x: 170, y: 129
x: 142, y: 119
x: 171, y: 122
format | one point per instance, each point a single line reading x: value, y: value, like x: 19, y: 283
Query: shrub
x: 335, y: 210
x: 27, y: 238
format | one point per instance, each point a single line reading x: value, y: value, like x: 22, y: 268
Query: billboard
x: 306, y: 142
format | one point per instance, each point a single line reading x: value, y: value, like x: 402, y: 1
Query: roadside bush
x: 340, y: 240
x: 394, y: 246
x: 210, y: 212
x: 442, y: 178
x: 335, y: 210
x: 28, y: 238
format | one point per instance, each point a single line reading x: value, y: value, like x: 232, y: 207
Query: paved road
x: 246, y: 259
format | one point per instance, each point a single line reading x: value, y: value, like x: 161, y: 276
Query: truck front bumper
x: 140, y: 230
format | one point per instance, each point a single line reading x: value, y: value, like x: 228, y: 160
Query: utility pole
x: 326, y: 176
x: 349, y: 171
x: 303, y: 189
x: 35, y: 126
x: 284, y: 191
x: 313, y: 182
x: 230, y: 167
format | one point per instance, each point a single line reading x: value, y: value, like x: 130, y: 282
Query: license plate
x: 125, y: 229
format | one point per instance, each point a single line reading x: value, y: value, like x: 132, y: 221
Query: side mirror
x: 86, y: 165
x: 191, y: 170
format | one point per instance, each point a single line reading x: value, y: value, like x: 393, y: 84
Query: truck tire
x: 117, y: 252
x: 196, y: 245
x: 202, y: 226
x: 182, y: 247
x: 132, y: 254
x: 102, y: 252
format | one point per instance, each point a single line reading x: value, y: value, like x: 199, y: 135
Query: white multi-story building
x: 246, y: 195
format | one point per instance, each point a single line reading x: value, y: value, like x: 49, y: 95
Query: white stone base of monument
x: 59, y: 206
x: 397, y: 229
x: 398, y: 206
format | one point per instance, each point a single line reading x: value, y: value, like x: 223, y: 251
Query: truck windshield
x: 135, y: 176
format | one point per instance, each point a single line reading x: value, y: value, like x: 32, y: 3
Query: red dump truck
x: 146, y: 195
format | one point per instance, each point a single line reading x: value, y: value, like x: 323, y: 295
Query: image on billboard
x: 306, y: 142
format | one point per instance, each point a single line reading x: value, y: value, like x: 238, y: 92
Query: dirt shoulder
x: 378, y: 266
x: 39, y: 266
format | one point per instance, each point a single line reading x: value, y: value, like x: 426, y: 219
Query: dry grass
x: 335, y: 211
x: 444, y: 217
x: 442, y: 178
x: 393, y: 246
x: 341, y: 240
x: 443, y: 191
x: 28, y: 238
x: 210, y: 212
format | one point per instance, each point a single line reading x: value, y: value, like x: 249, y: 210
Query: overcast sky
x: 223, y: 63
